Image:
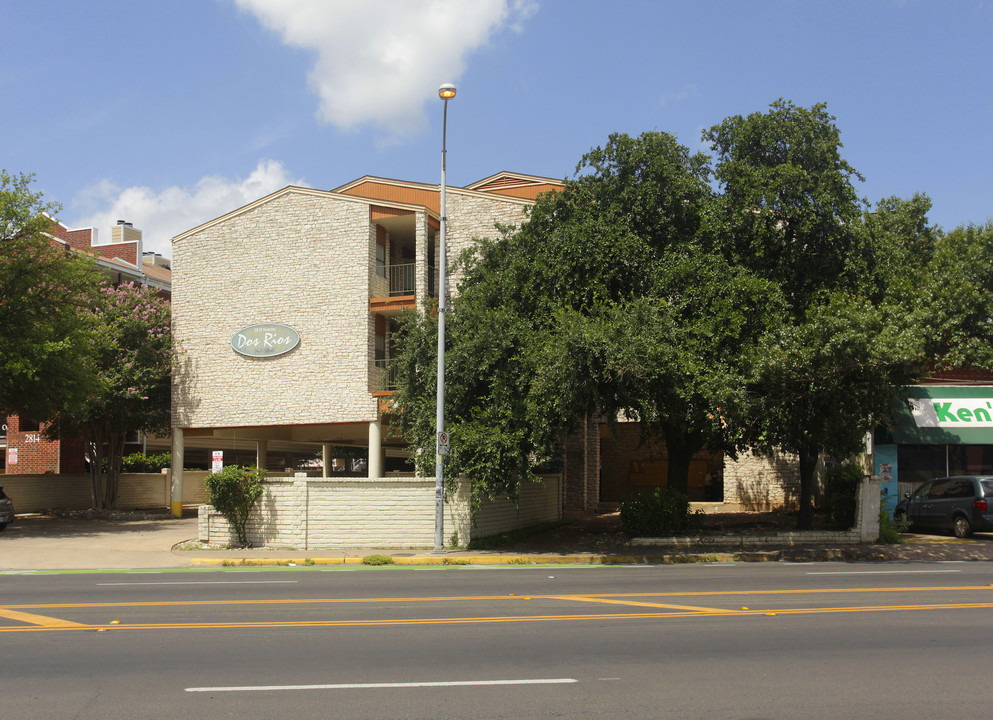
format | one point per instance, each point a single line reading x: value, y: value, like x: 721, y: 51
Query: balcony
x: 387, y: 375
x: 402, y: 279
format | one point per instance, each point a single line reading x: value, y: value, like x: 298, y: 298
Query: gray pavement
x: 34, y: 543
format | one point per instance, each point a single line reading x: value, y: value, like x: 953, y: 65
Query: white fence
x: 37, y: 493
x: 305, y: 513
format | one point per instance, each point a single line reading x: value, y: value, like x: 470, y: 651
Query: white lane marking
x: 373, y: 686
x: 885, y: 572
x: 205, y: 582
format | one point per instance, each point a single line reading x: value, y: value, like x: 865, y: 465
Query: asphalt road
x: 729, y: 641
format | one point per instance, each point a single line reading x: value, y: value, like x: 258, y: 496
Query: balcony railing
x: 387, y: 375
x: 403, y: 278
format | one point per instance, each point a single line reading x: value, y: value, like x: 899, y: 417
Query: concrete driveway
x: 44, y: 543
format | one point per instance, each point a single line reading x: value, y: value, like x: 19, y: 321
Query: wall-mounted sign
x: 265, y: 340
x: 952, y: 412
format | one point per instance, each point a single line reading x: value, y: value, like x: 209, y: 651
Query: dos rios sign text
x: 265, y: 340
x: 952, y: 412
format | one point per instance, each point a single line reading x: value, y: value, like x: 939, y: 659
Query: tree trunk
x: 680, y: 448
x: 96, y: 488
x: 678, y: 471
x: 115, y: 448
x: 808, y: 467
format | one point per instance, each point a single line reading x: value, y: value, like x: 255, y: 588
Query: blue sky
x: 168, y: 114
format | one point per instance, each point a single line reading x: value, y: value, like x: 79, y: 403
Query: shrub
x: 142, y: 463
x: 657, y: 514
x: 840, y: 491
x: 891, y: 529
x: 377, y: 560
x: 233, y: 492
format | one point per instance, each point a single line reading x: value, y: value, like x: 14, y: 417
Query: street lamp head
x: 446, y: 91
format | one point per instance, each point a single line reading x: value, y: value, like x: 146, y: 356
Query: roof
x: 411, y: 196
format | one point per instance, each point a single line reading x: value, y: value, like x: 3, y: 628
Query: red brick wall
x: 971, y: 375
x: 127, y: 251
x: 35, y: 454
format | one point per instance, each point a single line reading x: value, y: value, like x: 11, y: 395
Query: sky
x: 168, y: 114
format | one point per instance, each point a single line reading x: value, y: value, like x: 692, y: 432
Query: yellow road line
x: 609, y: 601
x: 494, y: 619
x: 38, y: 620
x: 469, y: 598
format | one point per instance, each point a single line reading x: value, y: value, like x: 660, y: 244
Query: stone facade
x: 306, y: 259
x: 294, y: 258
x: 761, y: 482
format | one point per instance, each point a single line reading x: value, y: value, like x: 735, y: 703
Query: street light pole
x: 446, y: 92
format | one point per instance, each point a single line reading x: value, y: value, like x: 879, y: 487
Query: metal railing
x: 387, y: 375
x: 403, y: 279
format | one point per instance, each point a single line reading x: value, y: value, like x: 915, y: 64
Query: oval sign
x: 265, y: 340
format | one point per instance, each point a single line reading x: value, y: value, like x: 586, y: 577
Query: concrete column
x: 326, y: 459
x: 261, y: 454
x: 867, y: 509
x: 375, y: 449
x: 176, y: 489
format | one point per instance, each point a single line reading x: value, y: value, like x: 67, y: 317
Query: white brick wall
x: 328, y: 513
x: 35, y: 493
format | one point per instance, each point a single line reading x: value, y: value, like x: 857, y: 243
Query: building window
x: 381, y: 260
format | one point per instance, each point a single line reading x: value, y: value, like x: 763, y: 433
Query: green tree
x: 957, y: 298
x: 45, y: 296
x: 792, y: 215
x: 132, y: 357
x: 609, y: 300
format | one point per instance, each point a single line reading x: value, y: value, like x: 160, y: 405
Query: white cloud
x: 161, y: 215
x: 381, y: 61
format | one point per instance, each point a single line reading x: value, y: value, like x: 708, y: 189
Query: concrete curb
x: 805, y: 555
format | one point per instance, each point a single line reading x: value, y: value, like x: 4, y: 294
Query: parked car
x: 6, y: 510
x: 961, y: 504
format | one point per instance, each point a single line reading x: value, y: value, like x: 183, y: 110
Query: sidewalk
x: 41, y: 543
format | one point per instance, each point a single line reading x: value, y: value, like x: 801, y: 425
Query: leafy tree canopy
x: 45, y: 296
x: 609, y: 300
x: 753, y: 303
x: 132, y: 357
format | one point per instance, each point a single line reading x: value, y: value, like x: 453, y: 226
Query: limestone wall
x: 760, y: 482
x: 300, y: 259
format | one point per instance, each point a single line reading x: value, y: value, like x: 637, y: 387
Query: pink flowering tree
x: 131, y: 356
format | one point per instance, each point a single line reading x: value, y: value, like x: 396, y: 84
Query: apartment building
x: 282, y: 309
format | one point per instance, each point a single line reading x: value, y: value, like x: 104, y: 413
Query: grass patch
x: 455, y: 561
x: 377, y: 560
